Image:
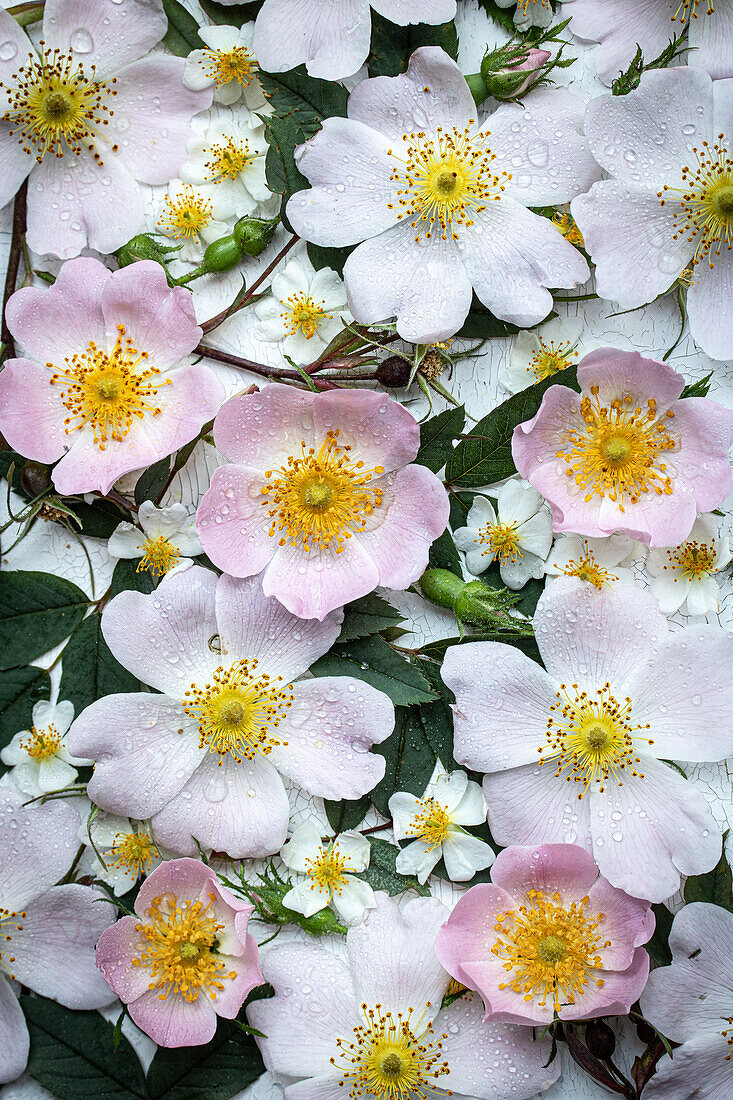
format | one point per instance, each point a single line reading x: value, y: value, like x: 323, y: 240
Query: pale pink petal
x: 707, y: 304
x: 18, y: 49
x: 416, y: 11
x: 173, y: 1021
x: 117, y: 946
x: 15, y: 161
x: 327, y: 733
x: 31, y: 414
x: 619, y: 25
x: 118, y: 36
x: 184, y: 878
x: 327, y: 1087
x: 233, y: 524
x: 705, y: 429
x: 30, y: 866
x: 697, y: 1071
x: 312, y: 584
x: 711, y: 41
x: 531, y: 805
x: 159, y: 320
x: 469, y: 933
x: 379, y: 430
x: 628, y: 923
x: 565, y: 868
x: 14, y: 1040
x: 230, y: 999
x: 243, y: 429
x: 333, y: 41
x: 615, y: 373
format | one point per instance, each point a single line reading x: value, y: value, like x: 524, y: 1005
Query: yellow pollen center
x: 565, y: 224
x: 186, y: 214
x: 159, y: 556
x: 616, y: 452
x: 224, y: 66
x: 108, y: 389
x: 549, y: 949
x: 226, y: 161
x: 133, y: 852
x: 695, y: 560
x: 431, y: 823
x: 391, y: 1057
x: 588, y: 569
x: 42, y: 744
x: 8, y: 921
x: 237, y: 713
x: 178, y: 945
x: 327, y: 871
x: 320, y: 498
x: 688, y: 10
x: 54, y: 107
x: 523, y: 5
x: 704, y: 205
x: 591, y: 740
x: 444, y: 180
x: 551, y: 358
x: 304, y: 314
x: 501, y: 539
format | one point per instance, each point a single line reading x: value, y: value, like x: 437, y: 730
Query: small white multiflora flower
x: 529, y: 13
x: 685, y: 576
x: 330, y: 868
x: 539, y: 353
x: 228, y: 64
x: 165, y: 539
x: 305, y: 311
x: 517, y: 533
x: 604, y: 563
x: 229, y: 159
x: 39, y: 758
x: 186, y: 215
x: 118, y: 851
x: 434, y: 824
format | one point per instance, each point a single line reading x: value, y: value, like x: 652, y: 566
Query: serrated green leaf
x: 367, y: 616
x: 715, y: 887
x: 152, y: 480
x: 346, y: 815
x: 126, y: 578
x: 216, y: 1071
x: 282, y: 136
x: 37, y: 611
x: 98, y: 520
x: 484, y: 456
x: 658, y: 946
x: 444, y: 555
x: 304, y: 99
x: 381, y: 873
x: 409, y: 759
x: 20, y: 688
x: 374, y: 661
x: 72, y: 1054
x: 437, y: 435
x: 481, y: 324
x: 393, y: 46
x: 233, y: 15
x: 321, y: 256
x: 182, y: 35
x: 88, y: 669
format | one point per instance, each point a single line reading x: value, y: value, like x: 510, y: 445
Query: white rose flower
x: 684, y: 576
x: 605, y: 563
x: 305, y: 312
x: 330, y: 873
x: 38, y: 757
x: 518, y: 533
x: 163, y: 536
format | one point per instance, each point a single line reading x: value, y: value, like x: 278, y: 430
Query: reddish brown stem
x: 207, y: 326
x: 11, y: 278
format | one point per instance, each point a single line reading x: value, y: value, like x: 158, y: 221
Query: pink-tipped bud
x: 508, y: 77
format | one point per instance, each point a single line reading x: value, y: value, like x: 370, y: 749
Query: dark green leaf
x: 20, y: 688
x: 481, y: 324
x: 658, y: 945
x: 444, y: 555
x: 504, y: 17
x: 409, y: 757
x: 366, y: 616
x: 216, y: 1071
x: 88, y: 669
x: 72, y: 1054
x: 233, y: 15
x: 37, y: 611
x: 304, y: 99
x: 347, y: 814
x: 527, y: 645
x: 8, y: 459
x: 484, y: 456
x: 152, y: 480
x: 182, y: 35
x: 98, y: 520
x: 126, y: 577
x: 715, y: 887
x: 321, y: 256
x: 381, y: 873
x: 437, y: 435
x: 282, y: 135
x: 392, y: 46
x: 374, y: 661
x: 437, y: 717
x: 701, y: 388
x: 460, y: 505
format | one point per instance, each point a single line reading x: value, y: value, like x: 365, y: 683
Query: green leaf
x: 701, y: 388
x: 304, y: 99
x: 504, y: 17
x: 347, y: 814
x: 409, y: 757
x: 215, y: 1071
x: 658, y: 946
x: 437, y: 435
x: 392, y: 46
x: 375, y: 662
x: 366, y: 616
x: 126, y: 578
x: 481, y: 324
x: 233, y: 15
x: 72, y: 1054
x: 381, y: 873
x: 152, y: 480
x: 282, y: 136
x: 98, y: 520
x: 528, y: 596
x: 715, y: 887
x: 444, y: 555
x: 20, y: 688
x: 182, y: 35
x: 88, y: 669
x: 335, y: 258
x: 37, y: 611
x: 437, y: 717
x: 484, y: 456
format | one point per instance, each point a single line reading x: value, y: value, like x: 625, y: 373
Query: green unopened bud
x: 442, y: 587
x: 142, y: 247
x: 472, y: 602
x: 222, y: 255
x: 508, y: 72
x: 254, y: 234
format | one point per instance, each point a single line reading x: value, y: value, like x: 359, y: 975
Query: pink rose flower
x: 322, y: 499
x: 548, y: 938
x: 107, y: 386
x: 88, y: 116
x: 185, y: 959
x: 626, y: 455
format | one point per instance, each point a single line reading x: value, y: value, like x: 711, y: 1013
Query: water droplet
x: 81, y: 41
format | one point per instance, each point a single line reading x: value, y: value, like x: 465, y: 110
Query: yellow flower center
x: 108, y: 389
x: 523, y: 5
x: 617, y: 451
x: 42, y: 744
x: 238, y: 711
x: 327, y: 871
x: 320, y: 498
x: 53, y: 107
x: 688, y: 10
x: 227, y: 160
x: 501, y: 539
x: 444, y: 180
x: 388, y: 1060
x: 431, y: 823
x: 8, y: 921
x: 186, y: 214
x: 179, y: 944
x: 304, y: 314
x: 565, y: 223
x: 133, y: 852
x: 224, y: 66
x: 159, y: 556
x: 705, y: 203
x: 695, y: 559
x: 551, y: 358
x: 590, y: 740
x: 588, y: 569
x: 548, y: 949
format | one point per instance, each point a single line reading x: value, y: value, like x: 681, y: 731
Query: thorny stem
x: 16, y: 243
x: 377, y: 828
x: 207, y: 326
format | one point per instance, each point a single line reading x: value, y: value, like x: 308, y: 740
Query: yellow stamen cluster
x: 705, y: 202
x: 54, y: 107
x: 523, y: 5
x: 327, y: 871
x: 179, y: 944
x: 228, y: 159
x: 42, y: 744
x: 551, y: 358
x: 588, y: 569
x: 320, y: 498
x: 305, y: 314
x: 565, y: 223
x: 688, y: 10
x: 695, y: 559
x: 186, y: 214
x: 549, y: 949
x: 431, y: 823
x: 237, y: 712
x: 224, y: 66
x: 8, y: 920
x: 391, y: 1058
x: 616, y: 454
x: 133, y: 852
x: 445, y: 180
x: 108, y: 389
x: 728, y: 1036
x: 501, y: 539
x: 159, y: 556
x: 590, y: 740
